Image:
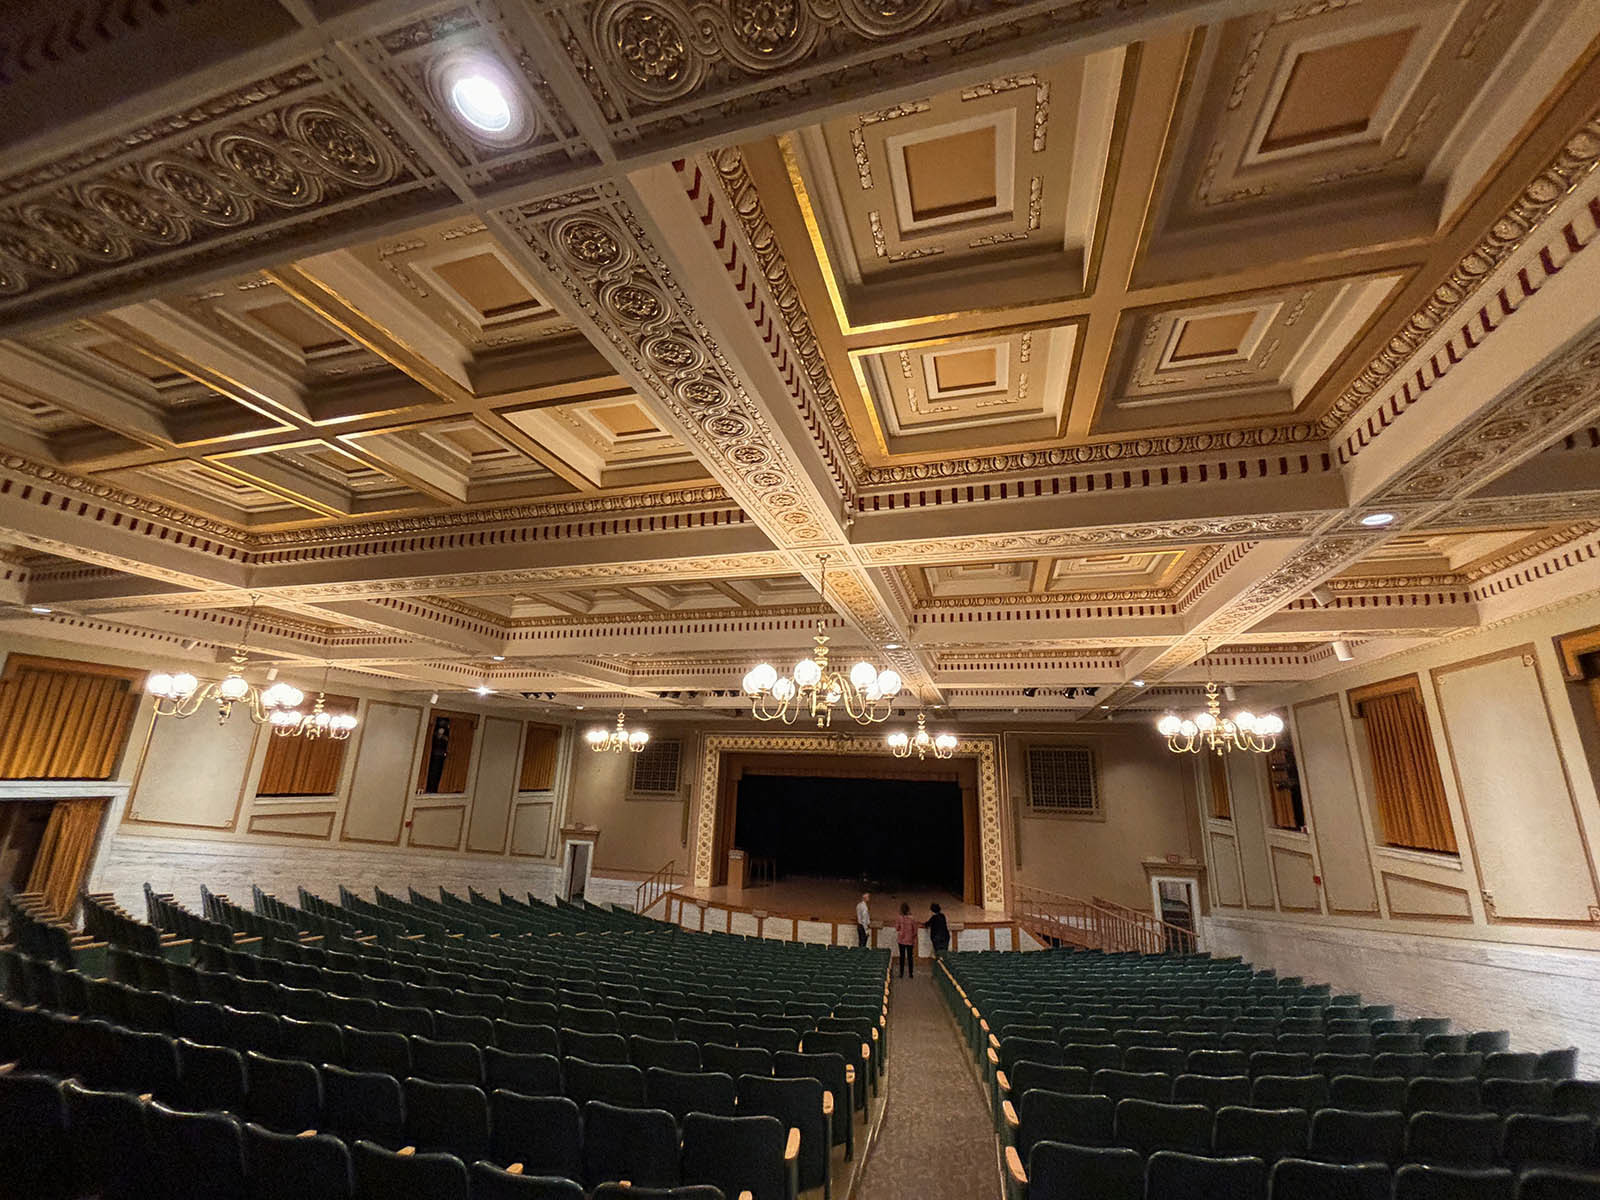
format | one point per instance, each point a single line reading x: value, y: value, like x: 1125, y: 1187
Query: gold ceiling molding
x: 1509, y: 232
x: 714, y: 615
x: 1197, y: 561
x: 1541, y: 508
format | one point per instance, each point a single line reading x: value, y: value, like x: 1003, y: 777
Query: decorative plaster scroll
x: 664, y: 68
x: 980, y: 748
x: 1510, y: 231
x: 593, y: 248
x: 286, y: 155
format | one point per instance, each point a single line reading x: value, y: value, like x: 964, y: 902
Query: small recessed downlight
x: 481, y: 102
x: 1375, y: 520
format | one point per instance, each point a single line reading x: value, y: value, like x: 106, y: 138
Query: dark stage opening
x: 896, y: 833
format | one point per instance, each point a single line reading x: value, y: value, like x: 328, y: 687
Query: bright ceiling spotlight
x: 483, y: 689
x: 481, y: 101
x: 1377, y: 520
x: 40, y: 610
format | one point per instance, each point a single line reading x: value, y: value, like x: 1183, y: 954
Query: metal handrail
x: 1097, y: 924
x: 657, y: 886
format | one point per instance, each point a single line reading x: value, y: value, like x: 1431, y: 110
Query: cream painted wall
x: 192, y: 815
x: 1504, y: 935
x: 1142, y: 797
x: 638, y: 835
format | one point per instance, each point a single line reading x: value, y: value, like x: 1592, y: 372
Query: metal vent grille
x: 1061, y: 779
x: 655, y: 768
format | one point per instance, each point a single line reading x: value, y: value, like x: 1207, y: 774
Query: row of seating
x: 1330, y: 1134
x: 64, y: 1141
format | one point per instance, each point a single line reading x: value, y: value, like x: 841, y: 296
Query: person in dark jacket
x: 938, y: 930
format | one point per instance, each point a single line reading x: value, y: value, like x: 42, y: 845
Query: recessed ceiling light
x: 481, y: 102
x: 893, y: 646
x: 41, y: 610
x: 1374, y: 520
x: 483, y: 689
x: 580, y: 706
x: 498, y: 657
x: 1138, y: 683
x: 1105, y: 706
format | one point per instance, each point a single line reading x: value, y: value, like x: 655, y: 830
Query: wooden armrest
x: 307, y: 1133
x: 791, y: 1149
x: 1000, y: 1078
x: 866, y: 1051
x: 1011, y: 1114
x: 827, y: 1104
x: 514, y: 1169
x: 994, y: 1041
x: 406, y: 1151
x: 849, y: 1073
x: 747, y: 1196
x: 1014, y: 1167
x: 994, y: 1058
x: 147, y: 1096
x: 982, y: 1024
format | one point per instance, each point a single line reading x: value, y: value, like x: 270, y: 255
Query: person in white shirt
x: 863, y: 919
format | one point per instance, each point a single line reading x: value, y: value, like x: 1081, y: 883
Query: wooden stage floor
x: 816, y: 899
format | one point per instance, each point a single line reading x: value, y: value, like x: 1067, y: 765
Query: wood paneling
x: 1225, y: 871
x: 299, y: 766
x: 437, y: 827
x: 315, y: 825
x: 1247, y: 781
x: 380, y: 783
x: 1295, y: 872
x: 1520, y: 812
x: 530, y: 829
x: 1327, y: 773
x: 61, y: 719
x: 1423, y: 900
x: 497, y: 777
x: 193, y: 772
x: 539, y: 748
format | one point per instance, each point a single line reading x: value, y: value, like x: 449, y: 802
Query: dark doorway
x: 897, y: 833
x: 22, y: 826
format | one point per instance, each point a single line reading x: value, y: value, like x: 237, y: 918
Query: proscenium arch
x: 982, y: 750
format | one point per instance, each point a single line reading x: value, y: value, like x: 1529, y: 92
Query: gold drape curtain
x: 1409, y: 788
x: 539, y: 758
x: 64, y: 852
x: 297, y: 766
x: 457, y: 756
x: 1283, y: 809
x: 1221, y: 800
x: 57, y: 723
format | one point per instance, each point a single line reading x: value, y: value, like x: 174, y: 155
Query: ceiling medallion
x: 941, y: 745
x: 182, y: 695
x: 814, y: 689
x: 617, y: 740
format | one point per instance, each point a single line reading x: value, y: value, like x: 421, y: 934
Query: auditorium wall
x: 185, y: 809
x: 1502, y: 934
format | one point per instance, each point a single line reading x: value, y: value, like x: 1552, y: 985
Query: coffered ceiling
x: 1081, y: 340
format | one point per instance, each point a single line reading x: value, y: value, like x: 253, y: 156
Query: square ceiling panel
x: 610, y: 442
x: 1012, y: 384
x: 1336, y: 91
x: 1252, y: 356
x: 996, y: 185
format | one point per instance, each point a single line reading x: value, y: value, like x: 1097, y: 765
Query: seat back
x: 382, y: 1174
x: 1546, y: 1141
x: 1171, y: 1175
x: 1083, y: 1120
x: 683, y: 1092
x: 798, y: 1104
x: 1454, y: 1139
x: 362, y: 1105
x: 1339, y: 1135
x: 1363, y: 1094
x: 1265, y: 1133
x: 1416, y: 1181
x: 1132, y: 1085
x: 1213, y: 1091
x: 736, y: 1154
x: 1063, y: 1171
x: 489, y: 1182
x: 284, y: 1166
x: 195, y: 1156
x: 1149, y: 1125
x: 1303, y: 1179
x: 285, y: 1094
x: 448, y: 1118
x: 543, y: 1133
x: 1309, y: 1092
x: 635, y: 1144
x: 613, y: 1083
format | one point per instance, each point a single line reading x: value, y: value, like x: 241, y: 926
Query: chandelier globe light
x: 617, y: 740
x: 180, y: 694
x: 291, y: 722
x: 921, y: 743
x: 1210, y: 730
x: 814, y: 689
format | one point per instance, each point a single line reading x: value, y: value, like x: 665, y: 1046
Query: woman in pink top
x: 905, y: 926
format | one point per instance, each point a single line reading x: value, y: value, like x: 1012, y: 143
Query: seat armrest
x: 791, y: 1148
x: 1017, y: 1175
x: 1002, y: 1082
x: 406, y: 1151
x: 514, y: 1169
x: 1011, y: 1116
x: 827, y: 1104
x: 994, y: 1059
x: 307, y: 1133
x: 849, y: 1074
x: 791, y: 1164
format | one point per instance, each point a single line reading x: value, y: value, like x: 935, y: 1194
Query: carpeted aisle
x: 937, y: 1141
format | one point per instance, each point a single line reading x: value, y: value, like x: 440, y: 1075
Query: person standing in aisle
x: 863, y: 919
x: 938, y: 930
x: 905, y: 928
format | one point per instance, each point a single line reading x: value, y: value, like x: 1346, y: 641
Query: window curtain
x: 298, y: 766
x: 1221, y: 800
x: 1406, y: 779
x: 57, y: 723
x: 64, y: 853
x: 458, y: 757
x: 1283, y: 809
x: 539, y: 758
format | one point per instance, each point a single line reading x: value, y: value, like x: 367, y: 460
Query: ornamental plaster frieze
x: 988, y: 547
x: 1579, y: 552
x: 1515, y: 236
x: 1508, y: 511
x: 1195, y: 565
x: 715, y: 617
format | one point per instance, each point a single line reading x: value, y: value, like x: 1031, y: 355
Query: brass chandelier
x: 922, y: 743
x: 619, y: 739
x: 815, y: 689
x: 291, y: 722
x: 180, y: 694
x: 1210, y: 730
